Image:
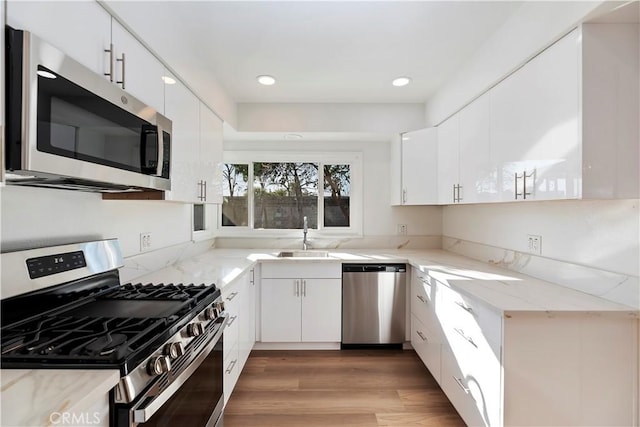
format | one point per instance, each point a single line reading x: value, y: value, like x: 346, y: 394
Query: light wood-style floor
x: 364, y: 388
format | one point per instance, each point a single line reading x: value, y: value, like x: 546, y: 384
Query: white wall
x: 34, y: 217
x: 312, y: 117
x: 602, y: 234
x: 531, y: 28
x: 380, y: 219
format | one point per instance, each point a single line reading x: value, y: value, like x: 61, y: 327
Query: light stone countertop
x: 29, y: 397
x: 504, y: 290
x: 42, y: 397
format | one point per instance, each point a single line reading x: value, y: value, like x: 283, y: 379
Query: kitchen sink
x: 303, y: 254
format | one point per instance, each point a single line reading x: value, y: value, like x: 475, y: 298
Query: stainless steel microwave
x: 69, y: 127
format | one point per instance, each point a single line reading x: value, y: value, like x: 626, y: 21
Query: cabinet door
x: 420, y: 167
x: 80, y: 29
x: 321, y: 310
x: 427, y: 346
x: 182, y: 108
x: 478, y: 181
x: 395, y: 178
x: 280, y: 310
x: 210, y: 160
x: 535, y: 125
x: 141, y: 71
x: 247, y: 313
x: 448, y: 148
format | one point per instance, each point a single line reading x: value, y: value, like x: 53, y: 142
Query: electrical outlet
x: 145, y: 242
x: 402, y: 229
x: 534, y: 244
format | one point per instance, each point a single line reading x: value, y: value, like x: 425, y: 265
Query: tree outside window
x: 285, y: 192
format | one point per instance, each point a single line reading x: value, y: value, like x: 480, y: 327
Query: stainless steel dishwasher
x: 373, y: 304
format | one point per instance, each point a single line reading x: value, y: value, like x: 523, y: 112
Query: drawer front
x: 426, y: 344
x: 231, y: 331
x: 469, y: 318
x: 459, y: 387
x: 231, y: 366
x: 423, y: 299
x: 301, y: 270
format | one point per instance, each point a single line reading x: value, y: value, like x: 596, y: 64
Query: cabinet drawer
x: 459, y: 388
x: 423, y: 299
x: 301, y: 269
x: 231, y: 333
x: 427, y: 345
x: 468, y: 317
x: 231, y: 372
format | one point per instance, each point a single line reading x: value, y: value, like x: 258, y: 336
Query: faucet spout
x: 305, y: 242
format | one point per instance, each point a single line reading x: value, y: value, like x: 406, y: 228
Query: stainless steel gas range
x: 165, y: 339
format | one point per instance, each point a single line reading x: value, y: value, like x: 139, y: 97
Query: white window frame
x: 356, y: 195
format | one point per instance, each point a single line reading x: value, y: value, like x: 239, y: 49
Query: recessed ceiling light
x: 266, y: 80
x: 168, y: 80
x: 405, y: 137
x: 401, y: 81
x: 46, y: 74
x: 293, y: 136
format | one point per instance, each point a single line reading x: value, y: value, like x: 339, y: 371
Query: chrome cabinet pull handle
x: 296, y: 290
x: 459, y: 381
x: 464, y: 307
x: 110, y: 52
x: 515, y: 182
x: 454, y: 193
x: 421, y: 336
x: 404, y: 196
x: 232, y: 296
x: 204, y: 190
x: 459, y: 197
x: 524, y: 183
x: 304, y: 288
x: 461, y: 332
x: 231, y: 365
x: 421, y: 298
x: 122, y: 60
x: 231, y: 320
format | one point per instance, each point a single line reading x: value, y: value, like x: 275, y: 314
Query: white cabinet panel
x: 231, y: 373
x: 182, y: 107
x: 448, y: 160
x: 281, y: 310
x: 301, y: 302
x: 141, y: 72
x: 478, y: 179
x: 80, y: 29
x: 420, y: 167
x: 428, y: 346
x: 395, y: 182
x: 535, y: 126
x: 210, y: 158
x: 321, y: 310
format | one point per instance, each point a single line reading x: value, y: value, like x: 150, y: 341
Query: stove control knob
x: 174, y: 350
x: 158, y: 365
x: 195, y: 329
x: 211, y: 313
x: 220, y: 306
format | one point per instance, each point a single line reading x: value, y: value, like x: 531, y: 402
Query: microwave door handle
x: 160, y: 141
x: 148, y: 130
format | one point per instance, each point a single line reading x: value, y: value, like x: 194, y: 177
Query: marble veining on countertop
x: 41, y: 397
x: 504, y: 290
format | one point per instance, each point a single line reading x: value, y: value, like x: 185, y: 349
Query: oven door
x: 194, y: 398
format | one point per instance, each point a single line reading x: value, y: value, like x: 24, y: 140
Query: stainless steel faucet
x: 305, y: 242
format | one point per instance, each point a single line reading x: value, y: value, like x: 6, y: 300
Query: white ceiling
x: 319, y: 51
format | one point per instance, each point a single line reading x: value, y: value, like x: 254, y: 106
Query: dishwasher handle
x: 374, y: 268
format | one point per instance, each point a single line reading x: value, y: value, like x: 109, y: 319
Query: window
x: 282, y: 193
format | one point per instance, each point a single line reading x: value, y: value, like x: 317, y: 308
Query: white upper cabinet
x: 80, y: 29
x: 183, y: 108
x: 210, y: 158
x: 477, y: 175
x: 448, y: 160
x: 535, y: 142
x: 420, y: 167
x: 136, y: 70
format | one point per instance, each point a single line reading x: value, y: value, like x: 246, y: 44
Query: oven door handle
x: 144, y: 414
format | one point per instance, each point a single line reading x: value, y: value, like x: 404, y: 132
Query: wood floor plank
x: 365, y: 388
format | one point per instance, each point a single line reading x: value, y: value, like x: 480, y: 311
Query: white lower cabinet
x: 301, y: 302
x: 525, y: 368
x: 239, y: 334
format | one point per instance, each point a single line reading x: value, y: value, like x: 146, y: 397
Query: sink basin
x: 303, y: 254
